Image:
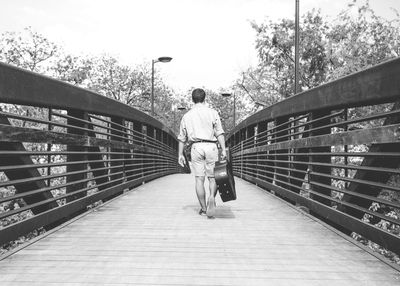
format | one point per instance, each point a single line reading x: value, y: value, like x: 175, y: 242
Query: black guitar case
x: 224, y: 178
x: 186, y: 167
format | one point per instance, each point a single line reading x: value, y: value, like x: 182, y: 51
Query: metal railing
x: 334, y: 149
x: 64, y: 148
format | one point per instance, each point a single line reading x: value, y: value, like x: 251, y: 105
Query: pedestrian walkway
x: 153, y: 235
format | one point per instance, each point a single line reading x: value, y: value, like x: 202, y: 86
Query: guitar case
x: 223, y: 173
x: 186, y: 167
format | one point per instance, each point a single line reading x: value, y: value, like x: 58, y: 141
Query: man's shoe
x: 211, y: 207
x: 202, y: 212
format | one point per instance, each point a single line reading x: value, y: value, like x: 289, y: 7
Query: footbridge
x: 91, y: 192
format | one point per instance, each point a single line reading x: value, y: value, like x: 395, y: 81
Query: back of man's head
x: 198, y: 95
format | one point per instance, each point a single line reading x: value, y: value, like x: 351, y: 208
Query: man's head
x: 198, y: 95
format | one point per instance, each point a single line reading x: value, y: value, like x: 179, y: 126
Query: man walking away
x: 202, y: 127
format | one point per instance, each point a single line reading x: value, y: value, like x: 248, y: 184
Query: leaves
x: 27, y: 49
x: 356, y: 39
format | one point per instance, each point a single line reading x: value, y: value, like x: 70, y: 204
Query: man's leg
x: 201, y: 193
x: 213, y: 186
x: 211, y: 198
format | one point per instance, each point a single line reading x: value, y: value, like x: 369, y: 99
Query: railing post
x: 263, y: 138
x: 117, y: 163
x: 326, y: 159
x: 242, y: 138
x: 281, y: 135
x: 300, y: 158
x: 139, y: 139
x: 77, y: 157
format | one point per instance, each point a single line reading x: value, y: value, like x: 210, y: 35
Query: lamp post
x: 179, y: 108
x: 296, y: 50
x: 234, y: 105
x: 159, y: 60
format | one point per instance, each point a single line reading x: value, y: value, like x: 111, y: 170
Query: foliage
x: 355, y: 40
x: 27, y: 49
x: 329, y: 49
x: 103, y: 74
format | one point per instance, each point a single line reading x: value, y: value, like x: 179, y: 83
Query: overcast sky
x: 211, y: 41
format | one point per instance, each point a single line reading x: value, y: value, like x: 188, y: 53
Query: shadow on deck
x: 154, y: 236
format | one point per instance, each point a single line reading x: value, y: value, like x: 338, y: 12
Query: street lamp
x: 179, y: 108
x: 159, y: 60
x: 234, y: 105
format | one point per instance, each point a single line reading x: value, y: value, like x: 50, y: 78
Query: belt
x: 204, y: 141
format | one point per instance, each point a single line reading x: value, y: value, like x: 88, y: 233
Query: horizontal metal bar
x: 122, y: 178
x: 136, y: 134
x: 358, y: 195
x: 67, y: 195
x: 34, y: 179
x: 386, y: 239
x: 25, y: 118
x: 21, y: 134
x: 363, y: 182
x: 375, y: 85
x: 12, y: 232
x: 335, y: 166
x: 311, y: 182
x: 333, y: 154
x: 383, y: 134
x: 20, y: 86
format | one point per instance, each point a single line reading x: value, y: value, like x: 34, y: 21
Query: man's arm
x: 182, y: 138
x: 181, y: 158
x: 221, y: 141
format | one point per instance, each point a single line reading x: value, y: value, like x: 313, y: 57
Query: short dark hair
x: 198, y: 95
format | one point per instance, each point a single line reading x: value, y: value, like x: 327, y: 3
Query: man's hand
x: 223, y: 154
x: 181, y: 160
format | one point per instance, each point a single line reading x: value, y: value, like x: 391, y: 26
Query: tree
x: 27, y: 49
x: 356, y: 39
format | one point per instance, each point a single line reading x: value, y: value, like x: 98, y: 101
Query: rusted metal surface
x: 334, y: 149
x: 67, y: 148
x: 24, y: 87
x: 23, y: 160
x: 378, y: 84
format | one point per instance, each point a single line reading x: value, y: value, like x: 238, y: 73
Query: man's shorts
x: 204, y: 155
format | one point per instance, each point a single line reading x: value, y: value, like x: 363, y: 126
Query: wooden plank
x: 154, y: 236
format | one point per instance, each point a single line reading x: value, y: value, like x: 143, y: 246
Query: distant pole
x: 159, y: 60
x: 152, y: 87
x: 234, y: 105
x: 296, y: 50
x: 234, y: 109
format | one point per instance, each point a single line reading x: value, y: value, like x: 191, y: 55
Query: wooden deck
x: 154, y: 236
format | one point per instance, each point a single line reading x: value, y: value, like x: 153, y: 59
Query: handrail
x: 65, y: 148
x: 19, y: 86
x: 334, y: 149
x: 378, y: 84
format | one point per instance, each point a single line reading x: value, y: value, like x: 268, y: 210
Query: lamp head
x: 164, y: 59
